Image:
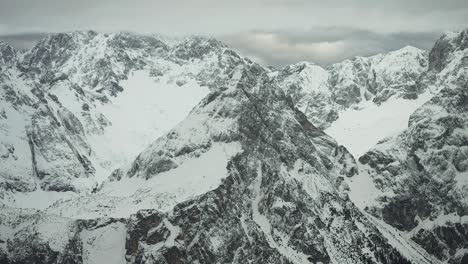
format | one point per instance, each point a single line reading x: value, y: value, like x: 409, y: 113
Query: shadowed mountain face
x: 181, y: 151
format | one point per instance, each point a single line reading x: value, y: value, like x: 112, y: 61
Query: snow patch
x: 105, y: 244
x: 145, y: 110
x: 192, y: 177
x: 363, y: 192
x: 360, y: 128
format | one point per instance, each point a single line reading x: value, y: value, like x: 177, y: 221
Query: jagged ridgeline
x: 147, y: 149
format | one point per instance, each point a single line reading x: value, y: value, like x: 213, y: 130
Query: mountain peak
x: 299, y: 67
x: 197, y: 47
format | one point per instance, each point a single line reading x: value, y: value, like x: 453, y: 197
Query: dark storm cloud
x: 273, y: 31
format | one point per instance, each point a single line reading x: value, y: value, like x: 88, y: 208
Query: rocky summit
x: 127, y: 148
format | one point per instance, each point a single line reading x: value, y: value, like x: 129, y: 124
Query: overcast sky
x: 272, y: 32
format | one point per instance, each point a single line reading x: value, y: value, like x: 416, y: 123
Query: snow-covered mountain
x: 145, y: 149
x: 79, y: 105
x: 419, y: 178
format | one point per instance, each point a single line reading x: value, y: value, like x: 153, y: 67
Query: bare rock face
x: 422, y: 172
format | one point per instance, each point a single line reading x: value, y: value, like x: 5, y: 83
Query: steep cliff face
x: 422, y: 172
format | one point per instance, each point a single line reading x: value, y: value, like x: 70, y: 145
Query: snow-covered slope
x: 361, y: 127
